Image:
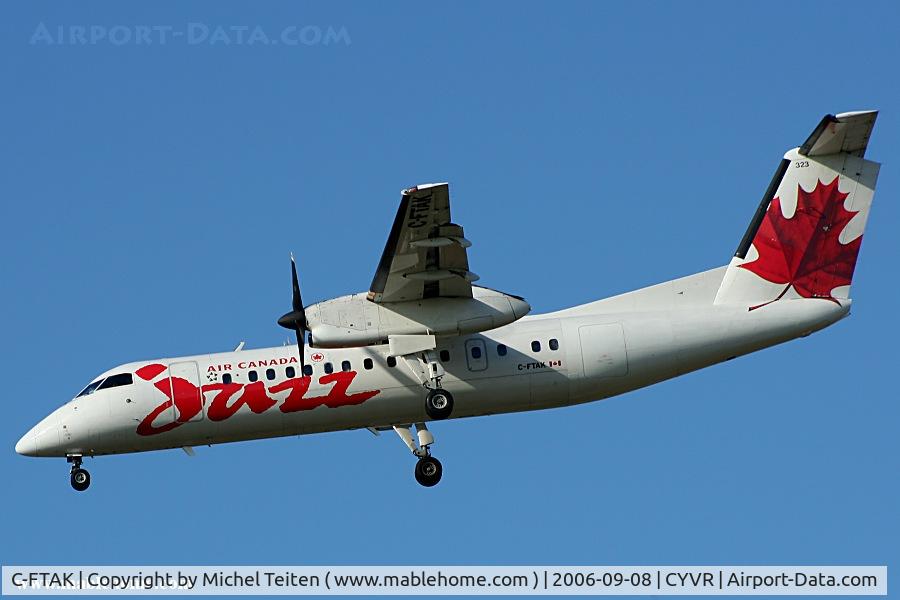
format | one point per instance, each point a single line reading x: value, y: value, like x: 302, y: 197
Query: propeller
x: 296, y: 319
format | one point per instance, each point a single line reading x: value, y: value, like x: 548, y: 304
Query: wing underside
x: 425, y: 255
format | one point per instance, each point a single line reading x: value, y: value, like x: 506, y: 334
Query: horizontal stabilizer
x: 847, y: 132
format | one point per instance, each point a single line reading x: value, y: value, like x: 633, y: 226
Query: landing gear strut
x: 428, y: 469
x: 79, y: 477
x: 438, y: 402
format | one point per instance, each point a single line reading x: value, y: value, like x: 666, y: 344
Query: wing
x: 425, y: 255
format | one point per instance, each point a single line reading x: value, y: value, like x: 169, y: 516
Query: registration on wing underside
x: 425, y: 255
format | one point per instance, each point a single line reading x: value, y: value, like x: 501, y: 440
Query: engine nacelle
x: 354, y: 320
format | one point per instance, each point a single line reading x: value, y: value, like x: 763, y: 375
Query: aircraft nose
x: 41, y: 439
x: 25, y: 446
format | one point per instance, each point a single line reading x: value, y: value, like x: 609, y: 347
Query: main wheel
x: 81, y: 479
x: 438, y: 404
x: 428, y: 471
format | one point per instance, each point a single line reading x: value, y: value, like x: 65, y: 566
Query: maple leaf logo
x: 804, y: 251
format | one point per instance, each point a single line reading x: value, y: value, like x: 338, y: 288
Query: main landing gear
x: 79, y: 477
x: 428, y: 469
x: 438, y: 402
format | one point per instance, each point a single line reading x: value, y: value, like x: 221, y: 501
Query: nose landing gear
x: 79, y: 477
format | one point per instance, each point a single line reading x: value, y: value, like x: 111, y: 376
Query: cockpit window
x: 90, y: 388
x: 116, y: 381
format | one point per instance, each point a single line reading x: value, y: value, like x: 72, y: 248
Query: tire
x: 438, y: 404
x: 80, y: 479
x: 429, y: 471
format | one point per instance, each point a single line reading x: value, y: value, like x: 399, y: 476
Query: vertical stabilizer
x: 804, y: 239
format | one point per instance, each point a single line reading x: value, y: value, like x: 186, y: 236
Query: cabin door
x: 184, y: 382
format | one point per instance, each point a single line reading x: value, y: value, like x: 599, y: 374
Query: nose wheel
x: 80, y: 478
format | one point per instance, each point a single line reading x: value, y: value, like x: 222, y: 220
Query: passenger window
x: 270, y: 374
x: 226, y: 378
x: 89, y: 389
x: 328, y: 368
x: 367, y: 364
x: 116, y: 381
x: 252, y: 376
x: 391, y: 361
x: 345, y: 366
x: 289, y: 372
x: 445, y: 356
x: 307, y: 370
x: 501, y: 350
x: 554, y: 344
x: 535, y: 346
x: 476, y: 352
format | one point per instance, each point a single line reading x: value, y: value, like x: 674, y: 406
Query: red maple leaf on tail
x: 804, y: 251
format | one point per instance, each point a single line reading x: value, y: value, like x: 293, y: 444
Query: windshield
x: 116, y: 381
x: 90, y: 388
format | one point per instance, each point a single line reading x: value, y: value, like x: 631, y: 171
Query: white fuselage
x: 585, y: 353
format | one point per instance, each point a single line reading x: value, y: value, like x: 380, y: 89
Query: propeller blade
x: 296, y: 319
x: 300, y: 336
x: 296, y: 301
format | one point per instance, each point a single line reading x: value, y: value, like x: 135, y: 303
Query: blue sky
x: 151, y: 195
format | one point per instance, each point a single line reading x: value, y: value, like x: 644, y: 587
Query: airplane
x: 424, y: 344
